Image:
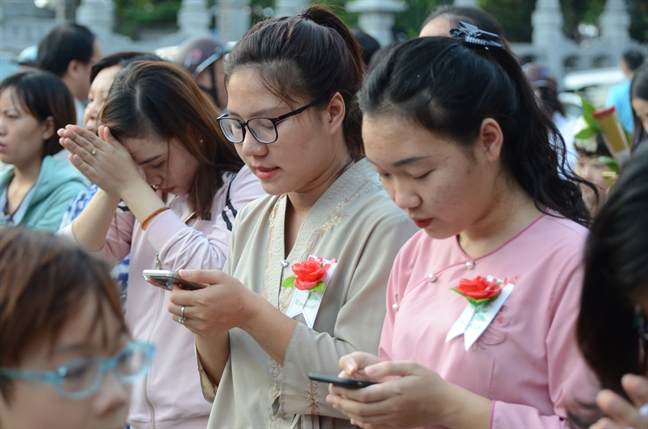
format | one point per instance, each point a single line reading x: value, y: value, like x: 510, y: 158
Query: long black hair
x: 312, y: 55
x: 616, y: 279
x: 449, y: 88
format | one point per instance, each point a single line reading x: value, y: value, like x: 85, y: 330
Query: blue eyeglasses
x: 83, y: 377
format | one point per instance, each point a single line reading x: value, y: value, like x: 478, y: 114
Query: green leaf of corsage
x: 288, y: 282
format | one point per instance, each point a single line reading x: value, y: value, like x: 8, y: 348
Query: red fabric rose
x: 308, y: 274
x: 479, y: 290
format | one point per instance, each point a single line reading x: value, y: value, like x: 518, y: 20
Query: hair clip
x: 306, y: 15
x: 472, y: 35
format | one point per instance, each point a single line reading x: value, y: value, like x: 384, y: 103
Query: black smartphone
x: 167, y: 278
x: 351, y: 383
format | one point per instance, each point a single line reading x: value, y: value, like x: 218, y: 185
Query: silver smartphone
x: 167, y: 278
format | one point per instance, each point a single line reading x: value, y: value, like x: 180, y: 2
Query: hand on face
x: 408, y: 395
x: 620, y: 413
x: 102, y: 159
x: 213, y: 310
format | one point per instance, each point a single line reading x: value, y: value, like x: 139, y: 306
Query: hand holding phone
x: 351, y: 383
x: 167, y: 278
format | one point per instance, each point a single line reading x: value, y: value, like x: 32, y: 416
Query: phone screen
x: 167, y: 278
x: 344, y: 382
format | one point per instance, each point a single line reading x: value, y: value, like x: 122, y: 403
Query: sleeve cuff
x: 206, y: 383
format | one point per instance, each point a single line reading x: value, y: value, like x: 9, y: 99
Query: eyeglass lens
x: 85, y: 375
x: 263, y: 129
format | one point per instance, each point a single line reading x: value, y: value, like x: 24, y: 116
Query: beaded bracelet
x: 150, y: 218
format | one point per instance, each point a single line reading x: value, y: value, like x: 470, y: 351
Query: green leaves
x: 593, y: 124
x: 319, y: 288
x: 610, y: 162
x: 288, y: 282
x: 585, y: 134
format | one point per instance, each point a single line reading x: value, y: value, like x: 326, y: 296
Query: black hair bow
x: 471, y: 34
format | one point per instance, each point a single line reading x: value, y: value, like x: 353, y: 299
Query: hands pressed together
x: 101, y: 159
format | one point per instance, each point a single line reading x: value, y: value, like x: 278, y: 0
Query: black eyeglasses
x: 262, y: 129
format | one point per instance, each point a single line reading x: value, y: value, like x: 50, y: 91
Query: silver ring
x: 643, y: 411
x: 182, y: 318
x: 94, y: 151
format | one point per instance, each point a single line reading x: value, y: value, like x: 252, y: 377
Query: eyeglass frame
x: 56, y: 376
x: 274, y: 121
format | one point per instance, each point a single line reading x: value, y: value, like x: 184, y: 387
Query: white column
x: 377, y: 17
x: 615, y: 22
x: 193, y: 18
x: 233, y: 19
x: 547, y: 20
x: 97, y: 15
x: 466, y: 3
x: 289, y: 7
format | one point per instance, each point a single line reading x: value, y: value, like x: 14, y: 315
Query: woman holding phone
x: 160, y: 152
x: 307, y: 266
x: 481, y: 304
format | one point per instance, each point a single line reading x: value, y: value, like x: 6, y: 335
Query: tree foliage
x: 514, y: 15
x: 132, y: 15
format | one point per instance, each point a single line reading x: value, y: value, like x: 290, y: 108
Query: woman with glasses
x: 181, y: 184
x: 307, y: 267
x: 612, y: 325
x: 67, y: 358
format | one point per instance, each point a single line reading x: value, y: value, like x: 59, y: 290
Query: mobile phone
x: 167, y: 278
x: 351, y: 383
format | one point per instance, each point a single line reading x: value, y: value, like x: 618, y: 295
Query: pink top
x: 524, y: 358
x: 170, y: 396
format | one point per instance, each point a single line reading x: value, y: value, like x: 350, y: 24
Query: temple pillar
x: 233, y: 19
x: 193, y: 18
x: 377, y: 17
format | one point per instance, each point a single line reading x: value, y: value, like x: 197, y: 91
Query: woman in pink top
x: 453, y: 129
x: 161, y: 153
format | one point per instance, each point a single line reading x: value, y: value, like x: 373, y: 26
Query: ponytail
x: 312, y: 55
x: 449, y: 87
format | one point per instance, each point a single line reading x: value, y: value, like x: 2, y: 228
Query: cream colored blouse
x: 356, y: 223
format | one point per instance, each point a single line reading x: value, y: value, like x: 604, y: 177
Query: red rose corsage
x: 480, y: 290
x: 309, y: 275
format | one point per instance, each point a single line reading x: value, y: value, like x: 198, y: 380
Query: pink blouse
x: 527, y: 358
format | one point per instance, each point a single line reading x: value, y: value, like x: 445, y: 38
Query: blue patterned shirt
x: 120, y: 271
